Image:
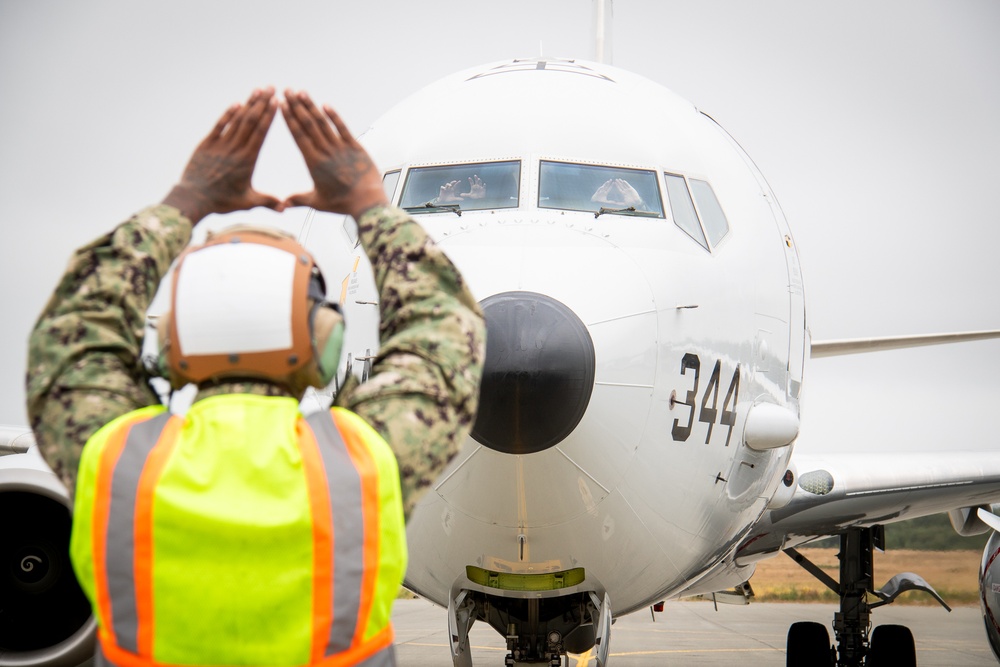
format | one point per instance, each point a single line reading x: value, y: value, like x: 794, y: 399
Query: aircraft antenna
x: 602, y: 31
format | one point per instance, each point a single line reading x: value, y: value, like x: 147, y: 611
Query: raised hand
x: 628, y: 195
x: 345, y: 179
x: 601, y: 194
x: 477, y: 189
x: 218, y: 176
x: 448, y: 193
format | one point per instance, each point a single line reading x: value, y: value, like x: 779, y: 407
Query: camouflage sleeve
x: 423, y: 390
x: 84, y: 366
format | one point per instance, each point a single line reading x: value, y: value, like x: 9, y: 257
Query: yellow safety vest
x: 241, y: 534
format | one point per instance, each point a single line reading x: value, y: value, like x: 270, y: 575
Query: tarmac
x: 695, y: 633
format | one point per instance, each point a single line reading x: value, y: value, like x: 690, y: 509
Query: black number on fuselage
x: 729, y: 416
x: 679, y: 432
x: 709, y: 412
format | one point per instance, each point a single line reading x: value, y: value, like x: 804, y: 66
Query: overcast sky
x: 876, y: 124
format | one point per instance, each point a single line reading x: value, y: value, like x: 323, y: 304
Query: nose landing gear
x: 539, y: 631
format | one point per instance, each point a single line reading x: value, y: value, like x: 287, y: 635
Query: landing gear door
x: 603, y: 630
x: 461, y: 616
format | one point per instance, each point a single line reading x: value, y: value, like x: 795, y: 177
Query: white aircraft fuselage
x: 692, y: 320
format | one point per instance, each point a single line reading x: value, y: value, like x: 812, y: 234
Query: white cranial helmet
x: 250, y: 304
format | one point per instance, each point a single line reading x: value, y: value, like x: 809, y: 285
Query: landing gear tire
x: 892, y: 645
x: 808, y: 645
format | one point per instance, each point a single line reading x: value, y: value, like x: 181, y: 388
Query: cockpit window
x: 696, y: 209
x: 682, y: 208
x: 584, y: 187
x: 716, y: 225
x: 389, y: 182
x: 462, y: 187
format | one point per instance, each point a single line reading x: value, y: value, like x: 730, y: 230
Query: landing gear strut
x: 532, y: 648
x: 809, y: 644
x: 538, y: 630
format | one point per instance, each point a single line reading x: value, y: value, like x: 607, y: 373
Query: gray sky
x: 876, y: 124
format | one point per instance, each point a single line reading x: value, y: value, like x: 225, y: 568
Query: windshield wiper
x: 626, y: 211
x: 434, y: 208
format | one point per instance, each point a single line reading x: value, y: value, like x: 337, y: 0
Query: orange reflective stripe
x: 120, y: 537
x: 380, y: 642
x: 143, y: 531
x: 323, y: 536
x: 346, y: 506
x: 99, y: 528
x: 122, y: 658
x: 368, y: 472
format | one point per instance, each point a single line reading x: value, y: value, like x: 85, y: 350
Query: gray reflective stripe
x: 101, y: 660
x: 384, y: 658
x: 120, y: 544
x: 344, y: 484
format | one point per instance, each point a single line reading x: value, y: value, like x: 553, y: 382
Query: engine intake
x: 46, y: 617
x: 989, y: 591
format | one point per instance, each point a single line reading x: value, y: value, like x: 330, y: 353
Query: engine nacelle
x: 966, y: 521
x: 989, y: 591
x: 45, y: 619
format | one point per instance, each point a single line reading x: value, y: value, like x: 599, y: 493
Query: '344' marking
x: 708, y: 413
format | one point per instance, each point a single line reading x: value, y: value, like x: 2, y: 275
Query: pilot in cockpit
x: 618, y: 193
x: 461, y: 187
x: 449, y: 192
x: 598, y: 189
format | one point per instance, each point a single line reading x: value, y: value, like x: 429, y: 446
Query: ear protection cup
x: 161, y: 365
x: 326, y: 328
x: 328, y: 340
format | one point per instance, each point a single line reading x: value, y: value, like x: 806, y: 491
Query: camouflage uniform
x: 84, y: 366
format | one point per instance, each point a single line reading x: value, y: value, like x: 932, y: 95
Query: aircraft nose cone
x: 538, y: 375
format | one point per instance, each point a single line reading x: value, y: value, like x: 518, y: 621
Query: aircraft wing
x: 833, y: 348
x: 827, y: 494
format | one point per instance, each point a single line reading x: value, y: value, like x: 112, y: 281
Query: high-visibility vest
x: 241, y: 534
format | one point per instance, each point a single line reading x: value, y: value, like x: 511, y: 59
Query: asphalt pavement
x: 695, y: 633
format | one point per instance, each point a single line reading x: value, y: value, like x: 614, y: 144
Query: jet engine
x: 45, y: 619
x: 989, y: 591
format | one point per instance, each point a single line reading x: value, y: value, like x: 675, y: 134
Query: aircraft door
x: 796, y: 298
x: 797, y: 339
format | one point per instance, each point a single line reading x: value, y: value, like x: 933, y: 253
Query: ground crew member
x: 243, y: 533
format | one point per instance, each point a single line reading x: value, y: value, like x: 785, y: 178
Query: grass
x: 953, y: 574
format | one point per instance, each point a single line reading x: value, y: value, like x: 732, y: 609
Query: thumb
x: 265, y: 200
x: 300, y: 199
